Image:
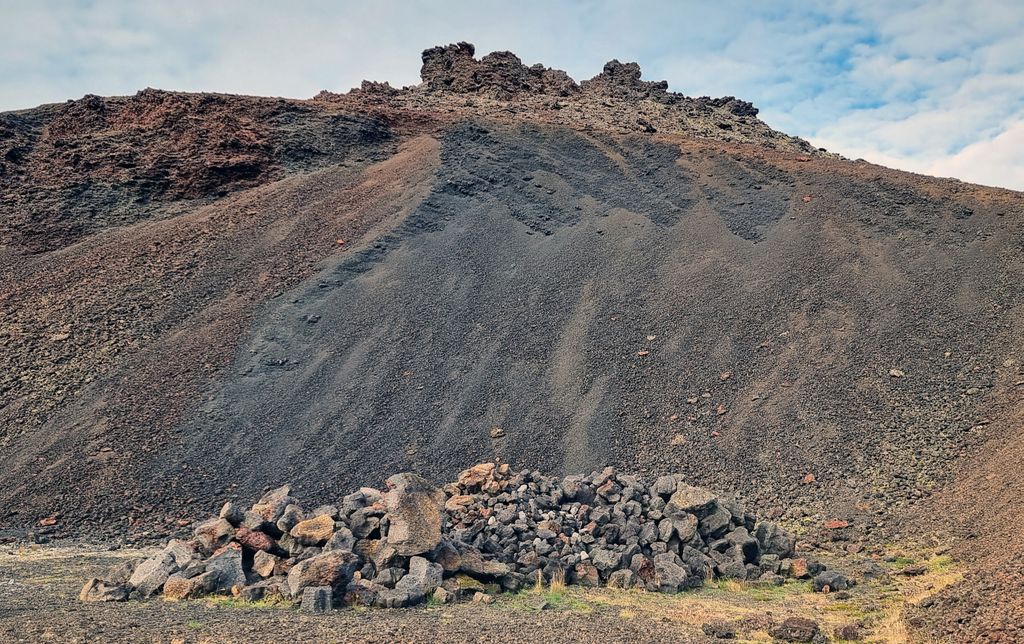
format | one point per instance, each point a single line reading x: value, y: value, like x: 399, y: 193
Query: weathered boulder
x: 774, y: 540
x: 605, y: 560
x: 421, y: 580
x: 213, y: 534
x: 342, y: 539
x: 178, y: 587
x: 119, y: 574
x: 363, y: 592
x: 624, y: 579
x: 664, y: 486
x: 290, y: 517
x: 414, y: 509
x: 586, y: 574
x: 473, y: 563
x: 181, y: 551
x: 747, y: 544
x: 271, y: 505
x: 315, y: 531
x: 97, y: 590
x: 226, y: 568
x: 232, y: 514
x: 264, y: 564
x: 396, y: 598
x: 688, y: 499
x: 332, y: 569
x: 669, y: 573
x: 256, y: 541
x: 830, y: 581
x: 151, y: 574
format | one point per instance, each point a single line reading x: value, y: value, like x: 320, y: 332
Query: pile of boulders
x: 491, y: 530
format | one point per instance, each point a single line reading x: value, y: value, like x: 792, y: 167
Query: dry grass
x: 558, y: 581
x: 892, y: 629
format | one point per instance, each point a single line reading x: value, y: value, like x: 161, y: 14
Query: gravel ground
x: 38, y: 602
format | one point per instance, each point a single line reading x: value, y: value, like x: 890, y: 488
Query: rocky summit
x: 203, y: 294
x: 493, y: 529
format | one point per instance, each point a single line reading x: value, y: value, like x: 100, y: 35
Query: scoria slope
x: 205, y: 294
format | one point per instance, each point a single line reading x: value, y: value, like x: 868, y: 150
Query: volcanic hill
x: 203, y: 294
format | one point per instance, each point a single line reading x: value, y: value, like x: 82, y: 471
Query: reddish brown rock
x: 255, y: 540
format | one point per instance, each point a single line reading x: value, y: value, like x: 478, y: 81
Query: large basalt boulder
x: 264, y: 564
x: 151, y: 574
x: 227, y: 568
x: 774, y: 540
x: 178, y: 587
x: 271, y: 505
x: 342, y: 539
x: 421, y: 580
x: 256, y: 541
x: 415, y: 511
x: 669, y: 573
x: 688, y: 499
x: 98, y: 590
x: 334, y: 569
x: 213, y: 534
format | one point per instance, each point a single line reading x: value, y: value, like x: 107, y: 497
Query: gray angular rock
x: 688, y: 499
x: 150, y: 575
x: 774, y: 540
x: 715, y: 523
x: 232, y: 514
x: 669, y: 575
x: 421, y: 580
x: 181, y: 551
x: 732, y: 569
x: 396, y: 598
x: 342, y: 539
x: 605, y: 560
x: 178, y: 586
x: 664, y: 486
x: 316, y: 599
x: 272, y: 504
x: 685, y: 526
x: 213, y: 534
x: 263, y: 564
x: 291, y: 516
x: 226, y: 568
x: 624, y: 579
x: 742, y: 540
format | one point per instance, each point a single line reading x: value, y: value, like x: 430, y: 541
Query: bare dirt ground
x: 39, y: 588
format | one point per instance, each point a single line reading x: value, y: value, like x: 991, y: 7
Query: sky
x: 932, y: 86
